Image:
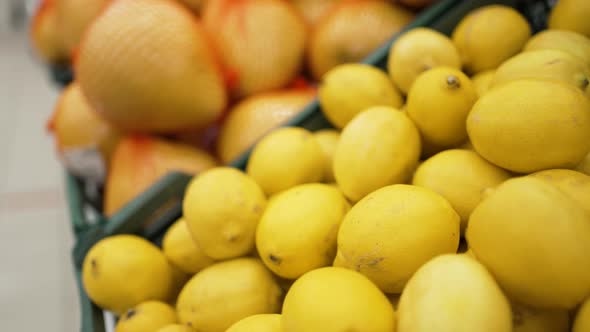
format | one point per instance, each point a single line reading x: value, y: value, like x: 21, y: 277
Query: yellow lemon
x: 175, y: 328
x: 379, y: 147
x: 527, y: 225
x: 570, y: 42
x: 484, y: 46
x: 545, y: 64
x: 333, y: 299
x: 390, y: 233
x: 418, y: 50
x: 328, y: 139
x: 258, y: 323
x: 482, y: 81
x: 222, y: 207
x: 121, y: 271
x: 285, y: 158
x: 148, y: 316
x: 528, y: 319
x: 574, y: 184
x: 505, y: 125
x: 349, y: 89
x: 571, y: 15
x: 182, y: 250
x: 582, y: 320
x: 439, y: 103
x: 298, y: 230
x: 227, y: 292
x: 584, y: 166
x: 460, y: 176
x: 453, y: 293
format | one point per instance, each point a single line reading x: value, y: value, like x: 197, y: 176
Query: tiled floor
x: 37, y: 289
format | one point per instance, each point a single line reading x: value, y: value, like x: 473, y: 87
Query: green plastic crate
x: 150, y: 214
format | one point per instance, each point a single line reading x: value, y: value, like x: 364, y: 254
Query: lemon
x: 349, y: 89
x: 584, y: 166
x: 570, y: 42
x: 258, y: 323
x: 548, y: 64
x: 226, y: 292
x: 148, y: 316
x: 453, y: 293
x: 390, y: 233
x: 121, y: 271
x: 482, y: 81
x: 505, y: 125
x: 298, y: 230
x: 484, y: 46
x: 379, y: 147
x: 439, y: 103
x: 528, y: 319
x: 254, y: 117
x: 328, y: 139
x: 180, y: 248
x: 418, y: 50
x: 574, y: 184
x: 333, y: 299
x: 571, y: 15
x: 527, y: 225
x: 285, y: 158
x: 175, y: 328
x: 582, y: 320
x: 222, y: 207
x: 460, y: 176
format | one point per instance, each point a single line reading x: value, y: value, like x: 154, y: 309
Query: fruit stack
x: 184, y: 85
x: 454, y: 195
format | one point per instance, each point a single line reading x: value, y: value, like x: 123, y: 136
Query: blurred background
x: 37, y: 288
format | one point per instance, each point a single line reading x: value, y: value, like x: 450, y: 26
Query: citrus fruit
x: 528, y: 224
x: 285, y: 158
x: 258, y: 323
x: 181, y: 249
x: 438, y: 103
x: 226, y: 292
x: 435, y: 300
x: 333, y: 299
x: 349, y: 89
x: 485, y: 46
x: 571, y: 15
x: 418, y: 50
x: 379, y: 147
x: 505, y: 123
x: 255, y: 116
x: 545, y: 64
x: 297, y: 232
x: 122, y: 271
x: 147, y: 316
x: 379, y: 233
x: 142, y: 77
x: 336, y: 40
x: 571, y: 42
x: 222, y: 207
x: 460, y: 176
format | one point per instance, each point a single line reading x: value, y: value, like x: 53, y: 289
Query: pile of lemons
x: 445, y: 200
